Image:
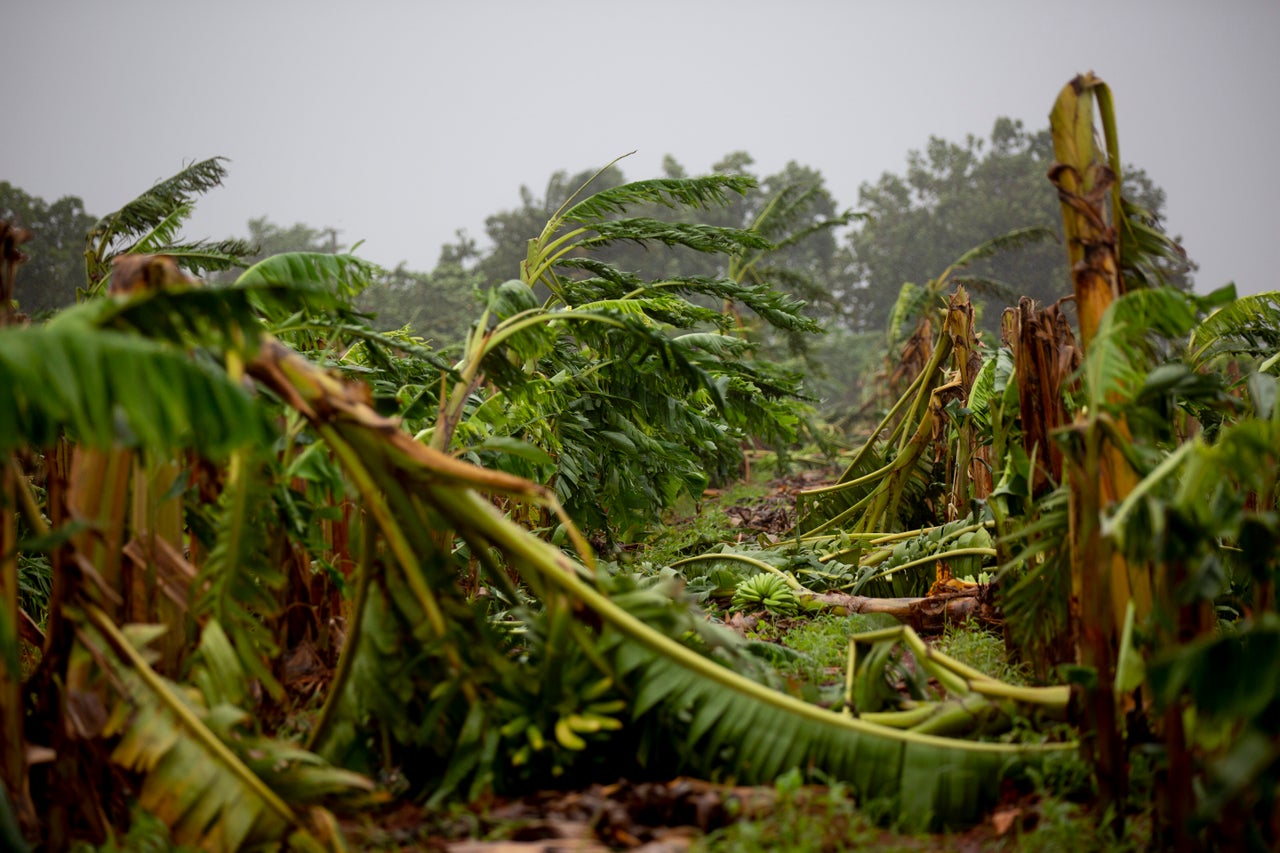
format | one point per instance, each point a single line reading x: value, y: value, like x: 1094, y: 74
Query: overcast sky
x: 400, y: 122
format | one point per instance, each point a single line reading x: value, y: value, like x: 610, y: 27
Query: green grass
x: 983, y: 649
x: 824, y: 642
x: 825, y: 638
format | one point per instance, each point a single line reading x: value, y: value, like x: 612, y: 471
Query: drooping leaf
x: 344, y: 276
x: 1247, y: 326
x: 1015, y: 239
x: 145, y: 213
x: 108, y: 387
x: 205, y: 774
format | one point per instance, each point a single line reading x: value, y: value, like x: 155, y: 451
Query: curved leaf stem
x: 742, y: 558
x: 376, y: 504
x: 941, y: 555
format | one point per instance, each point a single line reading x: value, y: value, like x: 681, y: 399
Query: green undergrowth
x: 983, y: 649
x: 693, y: 525
x: 824, y: 639
x: 813, y: 649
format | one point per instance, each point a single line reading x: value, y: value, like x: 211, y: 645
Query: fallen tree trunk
x: 931, y: 613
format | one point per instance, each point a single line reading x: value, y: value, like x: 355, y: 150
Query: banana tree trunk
x: 156, y: 520
x: 1103, y: 582
x: 13, y: 770
x: 1045, y: 357
x: 929, y: 614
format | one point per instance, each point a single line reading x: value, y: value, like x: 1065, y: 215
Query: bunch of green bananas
x: 768, y: 591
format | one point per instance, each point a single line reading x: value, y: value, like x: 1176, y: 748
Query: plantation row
x: 266, y: 572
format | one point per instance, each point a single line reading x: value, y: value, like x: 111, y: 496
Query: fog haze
x: 398, y: 123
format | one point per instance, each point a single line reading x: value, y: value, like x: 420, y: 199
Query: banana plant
x: 150, y: 225
x: 1203, y: 515
x: 884, y: 477
x: 1154, y: 406
x: 542, y: 381
x: 1088, y: 178
x: 117, y: 377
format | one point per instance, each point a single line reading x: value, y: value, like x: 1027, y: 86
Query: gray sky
x: 399, y: 122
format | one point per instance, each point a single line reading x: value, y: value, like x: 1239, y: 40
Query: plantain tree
x: 151, y: 224
x: 621, y: 391
x: 1167, y: 382
x: 103, y: 702
x: 1110, y: 250
x: 1202, y: 442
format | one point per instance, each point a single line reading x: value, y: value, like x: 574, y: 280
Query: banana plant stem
x: 751, y: 561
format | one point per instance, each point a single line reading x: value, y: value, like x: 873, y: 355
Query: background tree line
x: 910, y: 226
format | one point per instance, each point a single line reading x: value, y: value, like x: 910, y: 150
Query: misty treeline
x: 905, y: 229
